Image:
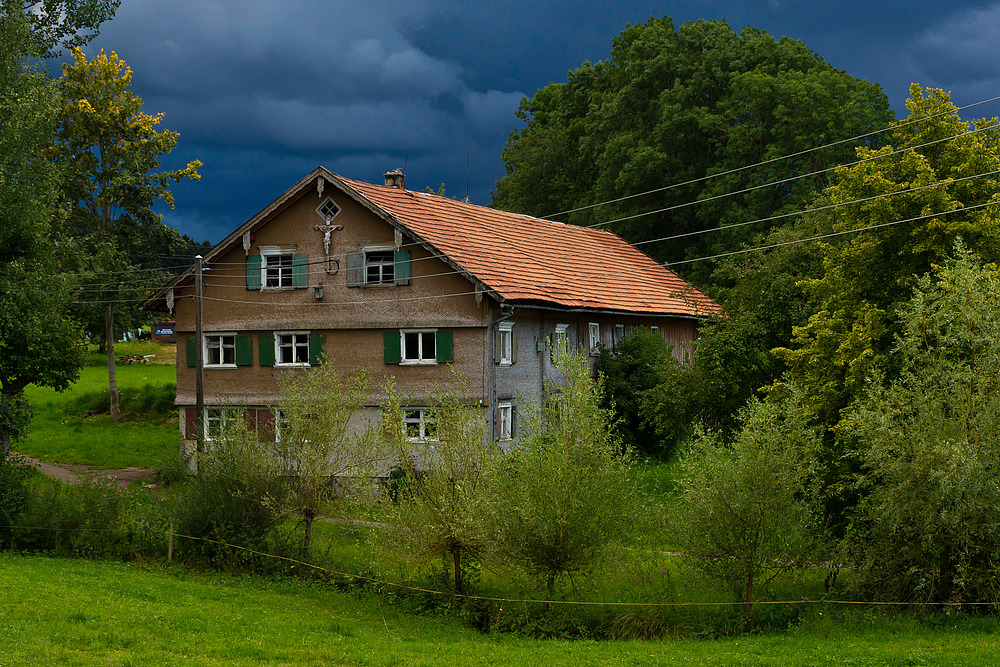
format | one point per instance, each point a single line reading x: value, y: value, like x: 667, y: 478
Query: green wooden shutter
x: 192, y: 354
x: 355, y: 269
x: 393, y: 353
x: 244, y: 351
x: 445, y: 346
x: 513, y: 346
x: 265, y: 349
x: 253, y: 272
x: 513, y: 422
x: 317, y: 349
x: 300, y: 270
x: 497, y: 347
x: 402, y: 267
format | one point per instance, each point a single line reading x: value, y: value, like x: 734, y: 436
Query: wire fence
x: 294, y: 562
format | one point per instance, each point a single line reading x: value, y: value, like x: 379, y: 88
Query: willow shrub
x: 563, y: 499
x: 927, y: 527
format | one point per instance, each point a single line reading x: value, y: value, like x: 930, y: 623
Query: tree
x: 441, y: 494
x: 568, y: 495
x: 39, y: 343
x: 113, y: 152
x: 56, y: 24
x: 926, y: 528
x: 742, y: 514
x: 732, y: 357
x: 316, y: 440
x: 634, y: 367
x: 929, y: 184
x: 689, y: 105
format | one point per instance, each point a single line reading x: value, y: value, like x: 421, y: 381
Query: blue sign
x: 163, y: 330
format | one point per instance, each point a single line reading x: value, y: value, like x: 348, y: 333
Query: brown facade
x: 277, y: 299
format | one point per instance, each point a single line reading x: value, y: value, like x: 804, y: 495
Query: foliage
x: 239, y: 496
x: 699, y: 100
x: 112, y: 152
x: 870, y: 274
x: 14, y: 475
x: 38, y: 342
x: 635, y: 366
x: 57, y: 24
x: 442, y: 492
x: 320, y: 439
x: 742, y: 515
x: 926, y: 528
x: 568, y: 495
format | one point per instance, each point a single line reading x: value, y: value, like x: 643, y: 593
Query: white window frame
x: 654, y: 329
x: 295, y: 343
x: 216, y: 419
x: 594, y: 334
x: 421, y: 358
x: 425, y: 421
x: 285, y: 270
x: 223, y: 345
x: 505, y: 421
x: 505, y: 332
x: 381, y: 264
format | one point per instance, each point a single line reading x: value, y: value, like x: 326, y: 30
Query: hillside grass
x: 75, y: 612
x: 73, y: 426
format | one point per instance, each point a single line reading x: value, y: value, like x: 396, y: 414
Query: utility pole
x: 199, y: 352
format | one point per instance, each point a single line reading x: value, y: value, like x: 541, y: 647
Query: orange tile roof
x: 525, y: 259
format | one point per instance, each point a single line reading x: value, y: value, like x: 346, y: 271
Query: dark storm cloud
x: 262, y: 92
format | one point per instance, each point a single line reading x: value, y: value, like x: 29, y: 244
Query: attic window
x: 328, y: 210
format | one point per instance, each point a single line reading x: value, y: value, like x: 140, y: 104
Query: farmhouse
x: 414, y: 286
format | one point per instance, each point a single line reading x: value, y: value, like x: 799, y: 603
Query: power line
x: 894, y: 126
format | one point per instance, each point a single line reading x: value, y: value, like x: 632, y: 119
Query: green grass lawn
x: 60, y: 434
x: 77, y: 612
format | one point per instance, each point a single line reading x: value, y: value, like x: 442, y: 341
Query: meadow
x: 73, y: 426
x: 79, y: 612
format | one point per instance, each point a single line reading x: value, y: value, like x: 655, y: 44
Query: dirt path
x: 72, y: 473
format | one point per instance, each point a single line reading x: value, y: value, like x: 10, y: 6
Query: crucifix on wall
x: 327, y: 230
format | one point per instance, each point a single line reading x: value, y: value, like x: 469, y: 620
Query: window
x: 655, y: 330
x: 418, y: 346
x: 277, y: 267
x: 277, y: 270
x: 560, y: 340
x: 505, y: 421
x: 594, y: 328
x: 220, y: 350
x: 505, y: 353
x: 291, y: 349
x: 618, y: 334
x: 420, y: 423
x: 217, y: 420
x: 328, y: 210
x: 378, y: 266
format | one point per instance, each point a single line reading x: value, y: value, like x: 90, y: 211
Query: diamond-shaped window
x: 328, y: 210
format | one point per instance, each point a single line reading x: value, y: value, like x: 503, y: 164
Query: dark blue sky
x: 262, y: 92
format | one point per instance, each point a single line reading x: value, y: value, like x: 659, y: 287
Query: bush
x: 561, y: 502
x: 742, y: 516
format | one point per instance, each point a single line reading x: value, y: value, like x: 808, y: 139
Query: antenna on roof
x: 467, y: 158
x: 405, y: 160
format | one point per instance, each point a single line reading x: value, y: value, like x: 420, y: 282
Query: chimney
x: 394, y: 179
